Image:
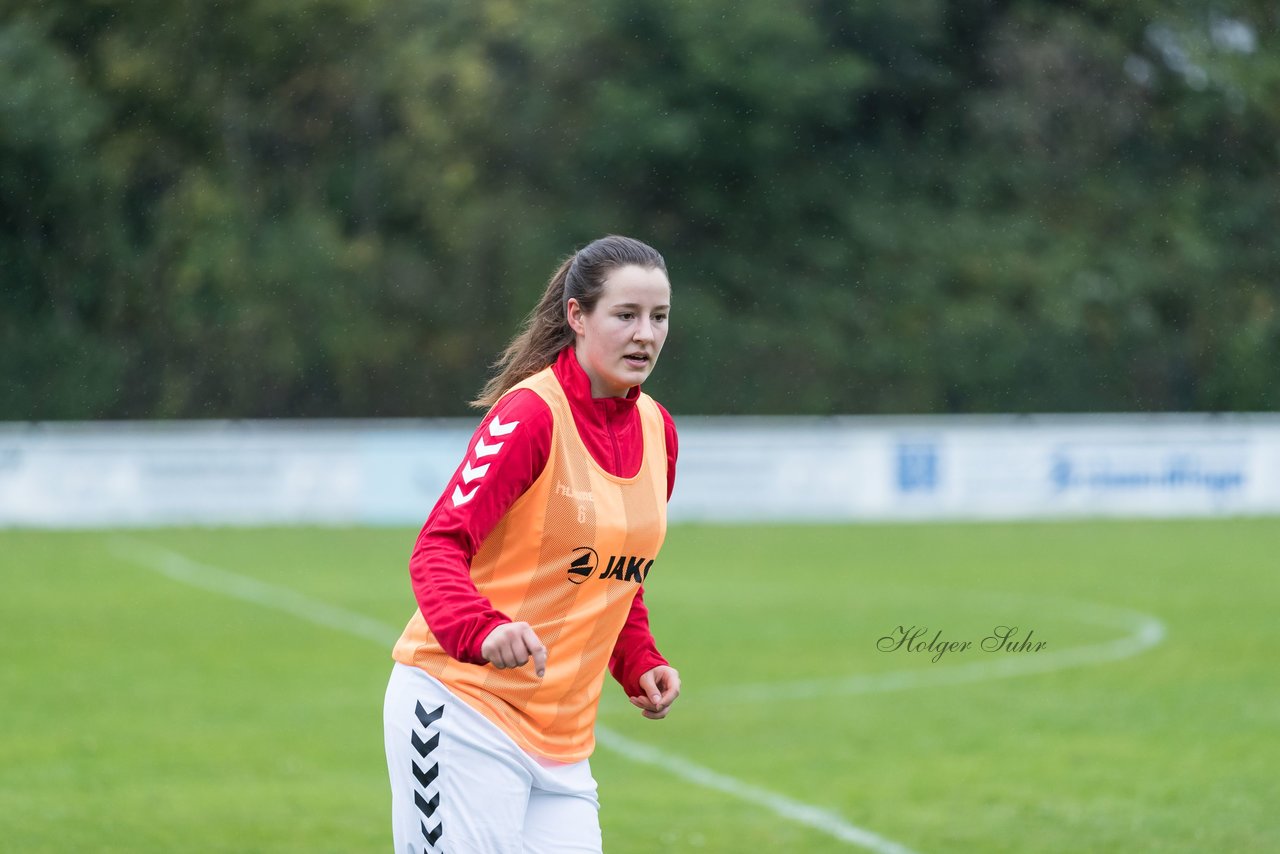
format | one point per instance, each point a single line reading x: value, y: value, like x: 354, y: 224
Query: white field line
x: 178, y: 567
x: 1145, y: 632
x: 181, y: 568
x: 810, y: 816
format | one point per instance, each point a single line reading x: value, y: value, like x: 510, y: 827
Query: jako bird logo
x: 584, y: 565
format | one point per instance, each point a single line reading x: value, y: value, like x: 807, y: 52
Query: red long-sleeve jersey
x: 477, y: 497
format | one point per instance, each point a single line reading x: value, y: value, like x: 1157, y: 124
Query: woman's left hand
x: 661, y: 686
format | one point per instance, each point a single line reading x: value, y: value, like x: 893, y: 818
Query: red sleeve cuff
x: 471, y: 640
x: 629, y: 675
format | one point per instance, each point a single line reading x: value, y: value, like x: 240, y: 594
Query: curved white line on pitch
x: 1145, y: 632
x: 180, y: 568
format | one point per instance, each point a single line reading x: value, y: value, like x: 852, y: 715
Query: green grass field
x: 150, y: 704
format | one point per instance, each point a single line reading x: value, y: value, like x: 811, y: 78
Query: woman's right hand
x: 512, y: 645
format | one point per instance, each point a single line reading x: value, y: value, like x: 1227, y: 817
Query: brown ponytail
x: 546, y: 330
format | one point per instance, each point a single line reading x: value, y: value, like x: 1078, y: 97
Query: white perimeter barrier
x: 730, y: 469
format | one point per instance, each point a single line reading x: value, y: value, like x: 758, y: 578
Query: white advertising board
x: 730, y: 469
x: 980, y: 467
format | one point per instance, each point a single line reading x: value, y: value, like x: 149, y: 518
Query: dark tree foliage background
x: 253, y: 208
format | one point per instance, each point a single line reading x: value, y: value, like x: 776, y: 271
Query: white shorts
x: 459, y: 784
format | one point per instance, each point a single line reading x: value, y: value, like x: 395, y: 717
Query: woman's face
x: 618, y: 343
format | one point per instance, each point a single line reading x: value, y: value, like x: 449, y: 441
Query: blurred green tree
x: 345, y: 207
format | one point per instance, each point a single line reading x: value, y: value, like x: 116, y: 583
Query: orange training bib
x: 567, y: 558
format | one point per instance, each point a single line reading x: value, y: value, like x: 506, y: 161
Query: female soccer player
x: 529, y: 574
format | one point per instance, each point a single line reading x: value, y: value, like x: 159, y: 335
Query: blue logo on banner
x: 1119, y: 472
x: 917, y: 467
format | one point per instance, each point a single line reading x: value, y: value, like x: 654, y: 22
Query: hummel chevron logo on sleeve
x: 483, y: 450
x: 497, y: 428
x: 470, y: 472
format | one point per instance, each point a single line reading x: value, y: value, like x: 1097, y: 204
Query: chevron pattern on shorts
x: 425, y: 739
